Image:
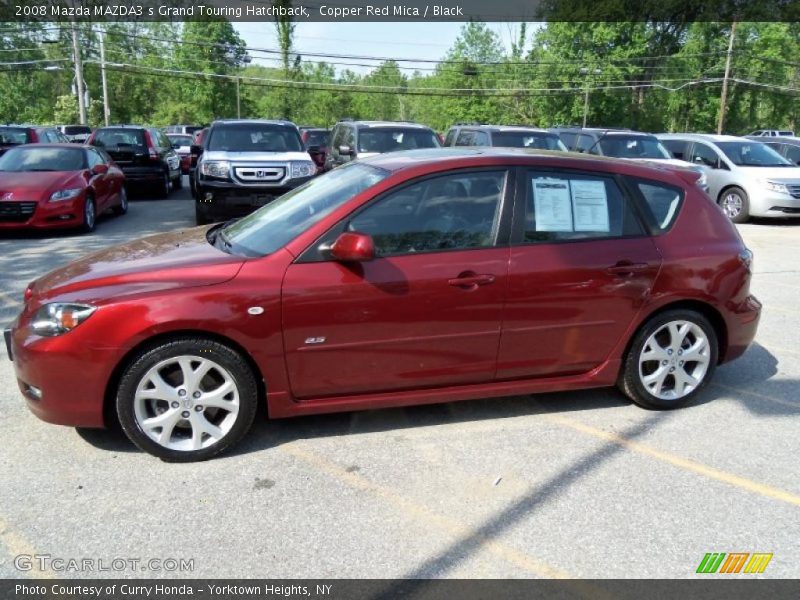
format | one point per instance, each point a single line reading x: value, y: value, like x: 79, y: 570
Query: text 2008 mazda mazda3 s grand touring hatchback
x: 407, y: 278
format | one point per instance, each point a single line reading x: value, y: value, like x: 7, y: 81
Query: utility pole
x: 587, y: 72
x: 724, y: 96
x: 76, y: 59
x: 106, y: 108
x: 238, y: 99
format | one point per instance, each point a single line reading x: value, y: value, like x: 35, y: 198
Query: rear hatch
x: 127, y: 147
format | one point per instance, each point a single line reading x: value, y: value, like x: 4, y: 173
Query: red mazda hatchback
x: 407, y: 278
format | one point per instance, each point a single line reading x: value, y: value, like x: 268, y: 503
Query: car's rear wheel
x: 735, y: 204
x: 89, y: 215
x: 187, y: 399
x: 177, y: 183
x: 670, y: 360
x: 122, y: 207
x: 162, y: 189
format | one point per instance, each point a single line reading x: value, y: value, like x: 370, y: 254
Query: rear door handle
x: 470, y: 280
x: 626, y: 267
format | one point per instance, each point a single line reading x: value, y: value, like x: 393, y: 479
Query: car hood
x: 178, y: 259
x: 788, y: 174
x: 36, y: 185
x: 243, y: 157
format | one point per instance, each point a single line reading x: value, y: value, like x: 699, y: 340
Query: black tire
x: 230, y: 360
x: 200, y: 216
x: 177, y: 183
x: 122, y: 207
x: 161, y: 190
x: 732, y: 198
x: 631, y: 382
x: 89, y: 215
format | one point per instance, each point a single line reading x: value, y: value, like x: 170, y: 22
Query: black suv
x: 244, y: 164
x: 144, y: 154
x: 503, y: 136
x: 353, y: 139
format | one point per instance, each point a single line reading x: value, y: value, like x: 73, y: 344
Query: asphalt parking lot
x: 580, y: 484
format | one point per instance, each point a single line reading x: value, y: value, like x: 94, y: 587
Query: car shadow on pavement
x: 749, y: 381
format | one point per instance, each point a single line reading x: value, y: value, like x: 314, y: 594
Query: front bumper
x: 61, y: 379
x: 45, y: 215
x: 773, y: 204
x: 223, y: 199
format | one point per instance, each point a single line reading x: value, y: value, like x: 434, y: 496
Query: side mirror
x: 345, y: 150
x: 196, y: 150
x: 99, y: 169
x: 352, y: 246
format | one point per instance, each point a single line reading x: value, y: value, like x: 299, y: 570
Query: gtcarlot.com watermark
x: 117, y: 564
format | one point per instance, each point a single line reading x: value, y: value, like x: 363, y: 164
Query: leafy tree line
x: 649, y: 76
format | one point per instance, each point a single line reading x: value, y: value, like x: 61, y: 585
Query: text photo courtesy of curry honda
x: 473, y: 277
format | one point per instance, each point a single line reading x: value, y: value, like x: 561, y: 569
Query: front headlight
x: 57, y: 318
x: 303, y: 169
x: 216, y: 168
x: 774, y: 186
x: 65, y: 194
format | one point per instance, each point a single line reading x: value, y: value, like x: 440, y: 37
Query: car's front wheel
x: 89, y: 215
x: 122, y: 207
x: 735, y: 204
x: 670, y: 360
x: 187, y: 399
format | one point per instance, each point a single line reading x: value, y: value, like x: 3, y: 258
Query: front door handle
x: 470, y: 280
x: 626, y: 267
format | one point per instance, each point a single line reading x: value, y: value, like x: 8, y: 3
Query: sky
x: 427, y: 41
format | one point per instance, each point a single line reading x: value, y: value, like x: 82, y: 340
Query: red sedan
x: 47, y: 186
x: 408, y: 278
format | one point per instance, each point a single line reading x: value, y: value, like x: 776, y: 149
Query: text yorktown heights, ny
x: 169, y: 590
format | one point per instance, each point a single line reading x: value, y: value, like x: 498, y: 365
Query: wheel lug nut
x: 669, y: 351
x: 198, y: 408
x: 680, y: 363
x: 196, y: 395
x: 680, y: 352
x: 664, y: 362
x: 671, y: 369
x: 175, y: 404
x: 185, y: 414
x: 181, y: 392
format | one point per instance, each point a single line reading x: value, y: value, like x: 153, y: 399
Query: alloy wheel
x: 186, y: 403
x: 732, y: 205
x: 88, y: 214
x: 674, y: 360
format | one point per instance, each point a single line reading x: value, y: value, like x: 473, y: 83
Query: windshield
x: 114, y: 138
x: 180, y: 140
x: 43, y: 159
x: 752, y: 154
x: 639, y: 146
x: 527, y: 139
x: 14, y: 135
x: 254, y: 137
x: 394, y: 138
x: 276, y: 224
x: 317, y: 138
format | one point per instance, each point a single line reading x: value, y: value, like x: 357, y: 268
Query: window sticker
x: 590, y: 205
x: 553, y: 209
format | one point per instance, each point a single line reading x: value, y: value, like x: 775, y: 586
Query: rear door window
x: 564, y: 206
x: 677, y: 148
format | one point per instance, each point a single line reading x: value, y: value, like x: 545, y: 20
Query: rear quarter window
x: 662, y: 203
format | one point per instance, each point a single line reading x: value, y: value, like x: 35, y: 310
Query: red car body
x: 405, y: 330
x: 25, y: 197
